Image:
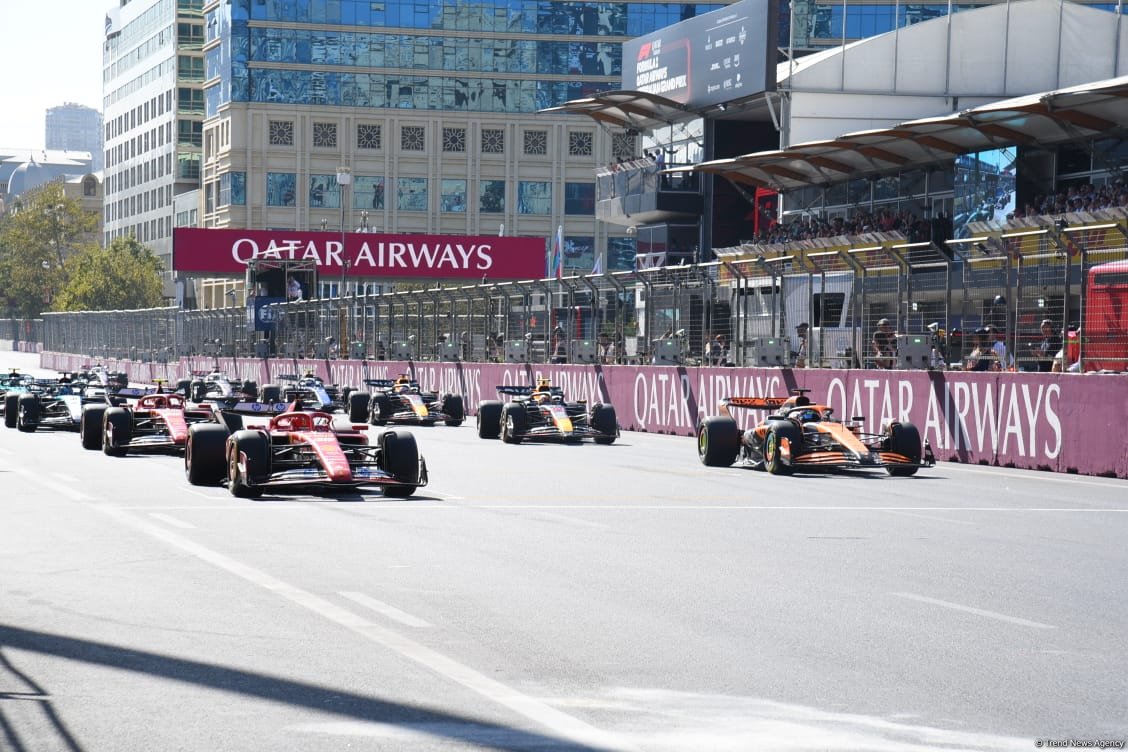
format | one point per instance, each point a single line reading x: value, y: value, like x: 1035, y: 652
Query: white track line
x: 391, y: 612
x: 976, y: 611
x: 561, y: 723
x: 169, y: 519
x: 59, y: 488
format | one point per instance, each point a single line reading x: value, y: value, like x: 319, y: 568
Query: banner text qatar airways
x: 210, y: 251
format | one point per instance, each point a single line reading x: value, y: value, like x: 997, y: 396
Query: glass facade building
x: 432, y: 107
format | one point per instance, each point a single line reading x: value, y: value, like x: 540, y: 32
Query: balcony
x: 634, y: 193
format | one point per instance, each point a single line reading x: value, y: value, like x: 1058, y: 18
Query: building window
x: 325, y: 135
x: 281, y: 188
x: 534, y: 197
x: 411, y: 194
x: 579, y: 144
x: 622, y: 145
x: 491, y: 197
x: 368, y: 136
x: 579, y: 198
x: 281, y: 132
x: 189, y: 132
x: 188, y: 165
x: 89, y: 186
x: 454, y: 139
x: 412, y: 138
x: 493, y: 141
x: 324, y: 192
x: 453, y: 198
x: 232, y: 188
x: 536, y: 142
x: 368, y: 192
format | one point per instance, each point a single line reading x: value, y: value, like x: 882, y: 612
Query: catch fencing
x: 975, y: 303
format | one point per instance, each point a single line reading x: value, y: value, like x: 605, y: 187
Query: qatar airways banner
x: 204, y: 251
x: 1040, y: 421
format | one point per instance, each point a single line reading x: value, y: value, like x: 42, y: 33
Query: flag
x: 558, y: 252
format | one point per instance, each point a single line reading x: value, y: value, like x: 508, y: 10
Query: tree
x: 42, y: 230
x: 125, y: 276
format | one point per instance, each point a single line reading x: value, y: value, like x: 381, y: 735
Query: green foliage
x: 36, y: 239
x: 125, y: 276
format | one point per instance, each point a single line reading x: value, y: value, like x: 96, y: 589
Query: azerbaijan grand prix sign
x: 206, y: 251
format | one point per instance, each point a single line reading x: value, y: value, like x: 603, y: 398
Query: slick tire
x: 718, y: 441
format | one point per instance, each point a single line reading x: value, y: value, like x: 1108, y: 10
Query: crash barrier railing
x: 870, y: 301
x: 19, y: 332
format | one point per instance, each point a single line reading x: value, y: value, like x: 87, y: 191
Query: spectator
x: 980, y: 357
x: 294, y: 290
x: 1047, y: 349
x: 718, y: 351
x: 799, y: 354
x: 996, y: 338
x: 559, y: 346
x: 606, y: 348
x: 884, y: 345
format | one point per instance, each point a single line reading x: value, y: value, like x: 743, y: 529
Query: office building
x: 75, y: 127
x: 153, y: 107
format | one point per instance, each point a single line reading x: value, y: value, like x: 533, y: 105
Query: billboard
x: 208, y: 251
x: 983, y: 188
x: 722, y: 55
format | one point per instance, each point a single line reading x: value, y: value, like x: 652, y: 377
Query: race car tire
x: 514, y: 423
x: 90, y: 426
x: 603, y: 420
x: 11, y: 409
x: 204, y: 462
x: 399, y: 456
x: 184, y: 386
x: 904, y: 438
x: 117, y: 429
x: 270, y: 393
x: 358, y: 406
x: 27, y: 413
x: 199, y: 391
x: 256, y: 447
x: 779, y: 430
x: 379, y: 410
x: 718, y: 441
x: 489, y: 419
x: 453, y: 408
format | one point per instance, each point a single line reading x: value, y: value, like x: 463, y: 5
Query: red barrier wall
x: 1059, y: 422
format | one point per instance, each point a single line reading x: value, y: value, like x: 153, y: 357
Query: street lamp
x: 344, y: 177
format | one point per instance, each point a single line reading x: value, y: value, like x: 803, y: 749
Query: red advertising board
x: 208, y: 251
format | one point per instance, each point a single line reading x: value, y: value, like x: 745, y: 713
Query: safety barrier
x: 975, y: 303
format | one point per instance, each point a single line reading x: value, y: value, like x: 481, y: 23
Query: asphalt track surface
x: 547, y: 597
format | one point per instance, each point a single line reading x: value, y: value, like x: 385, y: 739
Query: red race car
x: 301, y: 449
x: 139, y: 422
x: 799, y: 436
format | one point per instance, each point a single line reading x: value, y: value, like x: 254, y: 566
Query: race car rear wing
x: 525, y: 391
x: 388, y: 383
x: 756, y: 403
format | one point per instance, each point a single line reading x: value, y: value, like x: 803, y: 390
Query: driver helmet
x: 809, y: 416
x: 544, y: 385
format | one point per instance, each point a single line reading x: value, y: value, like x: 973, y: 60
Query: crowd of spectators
x: 1082, y: 197
x: 1085, y: 197
x: 808, y: 227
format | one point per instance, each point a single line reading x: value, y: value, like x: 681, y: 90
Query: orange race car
x: 799, y: 436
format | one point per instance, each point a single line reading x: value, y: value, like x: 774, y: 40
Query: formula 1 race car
x: 55, y: 403
x: 310, y: 391
x: 299, y: 449
x: 803, y: 437
x: 401, y: 401
x: 11, y: 387
x: 146, y: 421
x: 214, y: 385
x: 541, y: 413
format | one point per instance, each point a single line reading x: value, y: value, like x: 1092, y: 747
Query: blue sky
x: 52, y: 55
